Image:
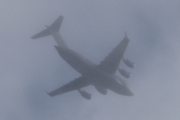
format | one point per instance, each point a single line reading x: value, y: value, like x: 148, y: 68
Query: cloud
x: 92, y: 28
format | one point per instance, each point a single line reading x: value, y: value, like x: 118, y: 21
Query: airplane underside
x: 101, y: 76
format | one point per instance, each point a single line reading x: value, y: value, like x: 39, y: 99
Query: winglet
x: 125, y: 35
x: 48, y: 93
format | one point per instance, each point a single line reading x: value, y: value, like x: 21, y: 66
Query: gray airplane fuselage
x: 90, y: 71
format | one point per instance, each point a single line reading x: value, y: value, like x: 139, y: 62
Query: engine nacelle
x: 124, y: 73
x: 129, y: 63
x: 101, y: 90
x: 85, y: 94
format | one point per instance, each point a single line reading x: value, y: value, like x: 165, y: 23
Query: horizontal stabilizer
x: 57, y: 24
x: 53, y: 28
x: 41, y: 34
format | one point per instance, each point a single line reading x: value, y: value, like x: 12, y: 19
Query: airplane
x: 101, y: 76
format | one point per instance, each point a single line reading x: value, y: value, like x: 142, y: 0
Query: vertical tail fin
x: 53, y: 28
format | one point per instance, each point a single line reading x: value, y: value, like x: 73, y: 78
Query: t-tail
x: 54, y: 31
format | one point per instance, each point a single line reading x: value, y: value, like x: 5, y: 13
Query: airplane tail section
x: 50, y: 29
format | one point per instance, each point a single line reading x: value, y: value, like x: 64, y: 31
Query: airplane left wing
x: 73, y: 85
x: 111, y: 62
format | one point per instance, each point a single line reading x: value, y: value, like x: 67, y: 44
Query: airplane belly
x: 76, y: 61
x: 121, y: 89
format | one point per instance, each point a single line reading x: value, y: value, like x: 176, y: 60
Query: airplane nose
x: 129, y: 92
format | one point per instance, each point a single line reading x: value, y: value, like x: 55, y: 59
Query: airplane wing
x: 73, y: 85
x: 111, y: 62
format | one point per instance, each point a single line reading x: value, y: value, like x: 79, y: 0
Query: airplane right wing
x: 111, y: 63
x: 73, y: 85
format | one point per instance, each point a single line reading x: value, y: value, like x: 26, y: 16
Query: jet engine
x: 124, y: 73
x: 129, y: 63
x: 85, y: 94
x: 101, y: 90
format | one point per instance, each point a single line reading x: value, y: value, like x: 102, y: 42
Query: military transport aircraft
x: 101, y: 76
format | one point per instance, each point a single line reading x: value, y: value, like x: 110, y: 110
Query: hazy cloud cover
x: 92, y: 28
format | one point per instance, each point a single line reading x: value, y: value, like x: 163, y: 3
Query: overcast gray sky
x: 92, y: 28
